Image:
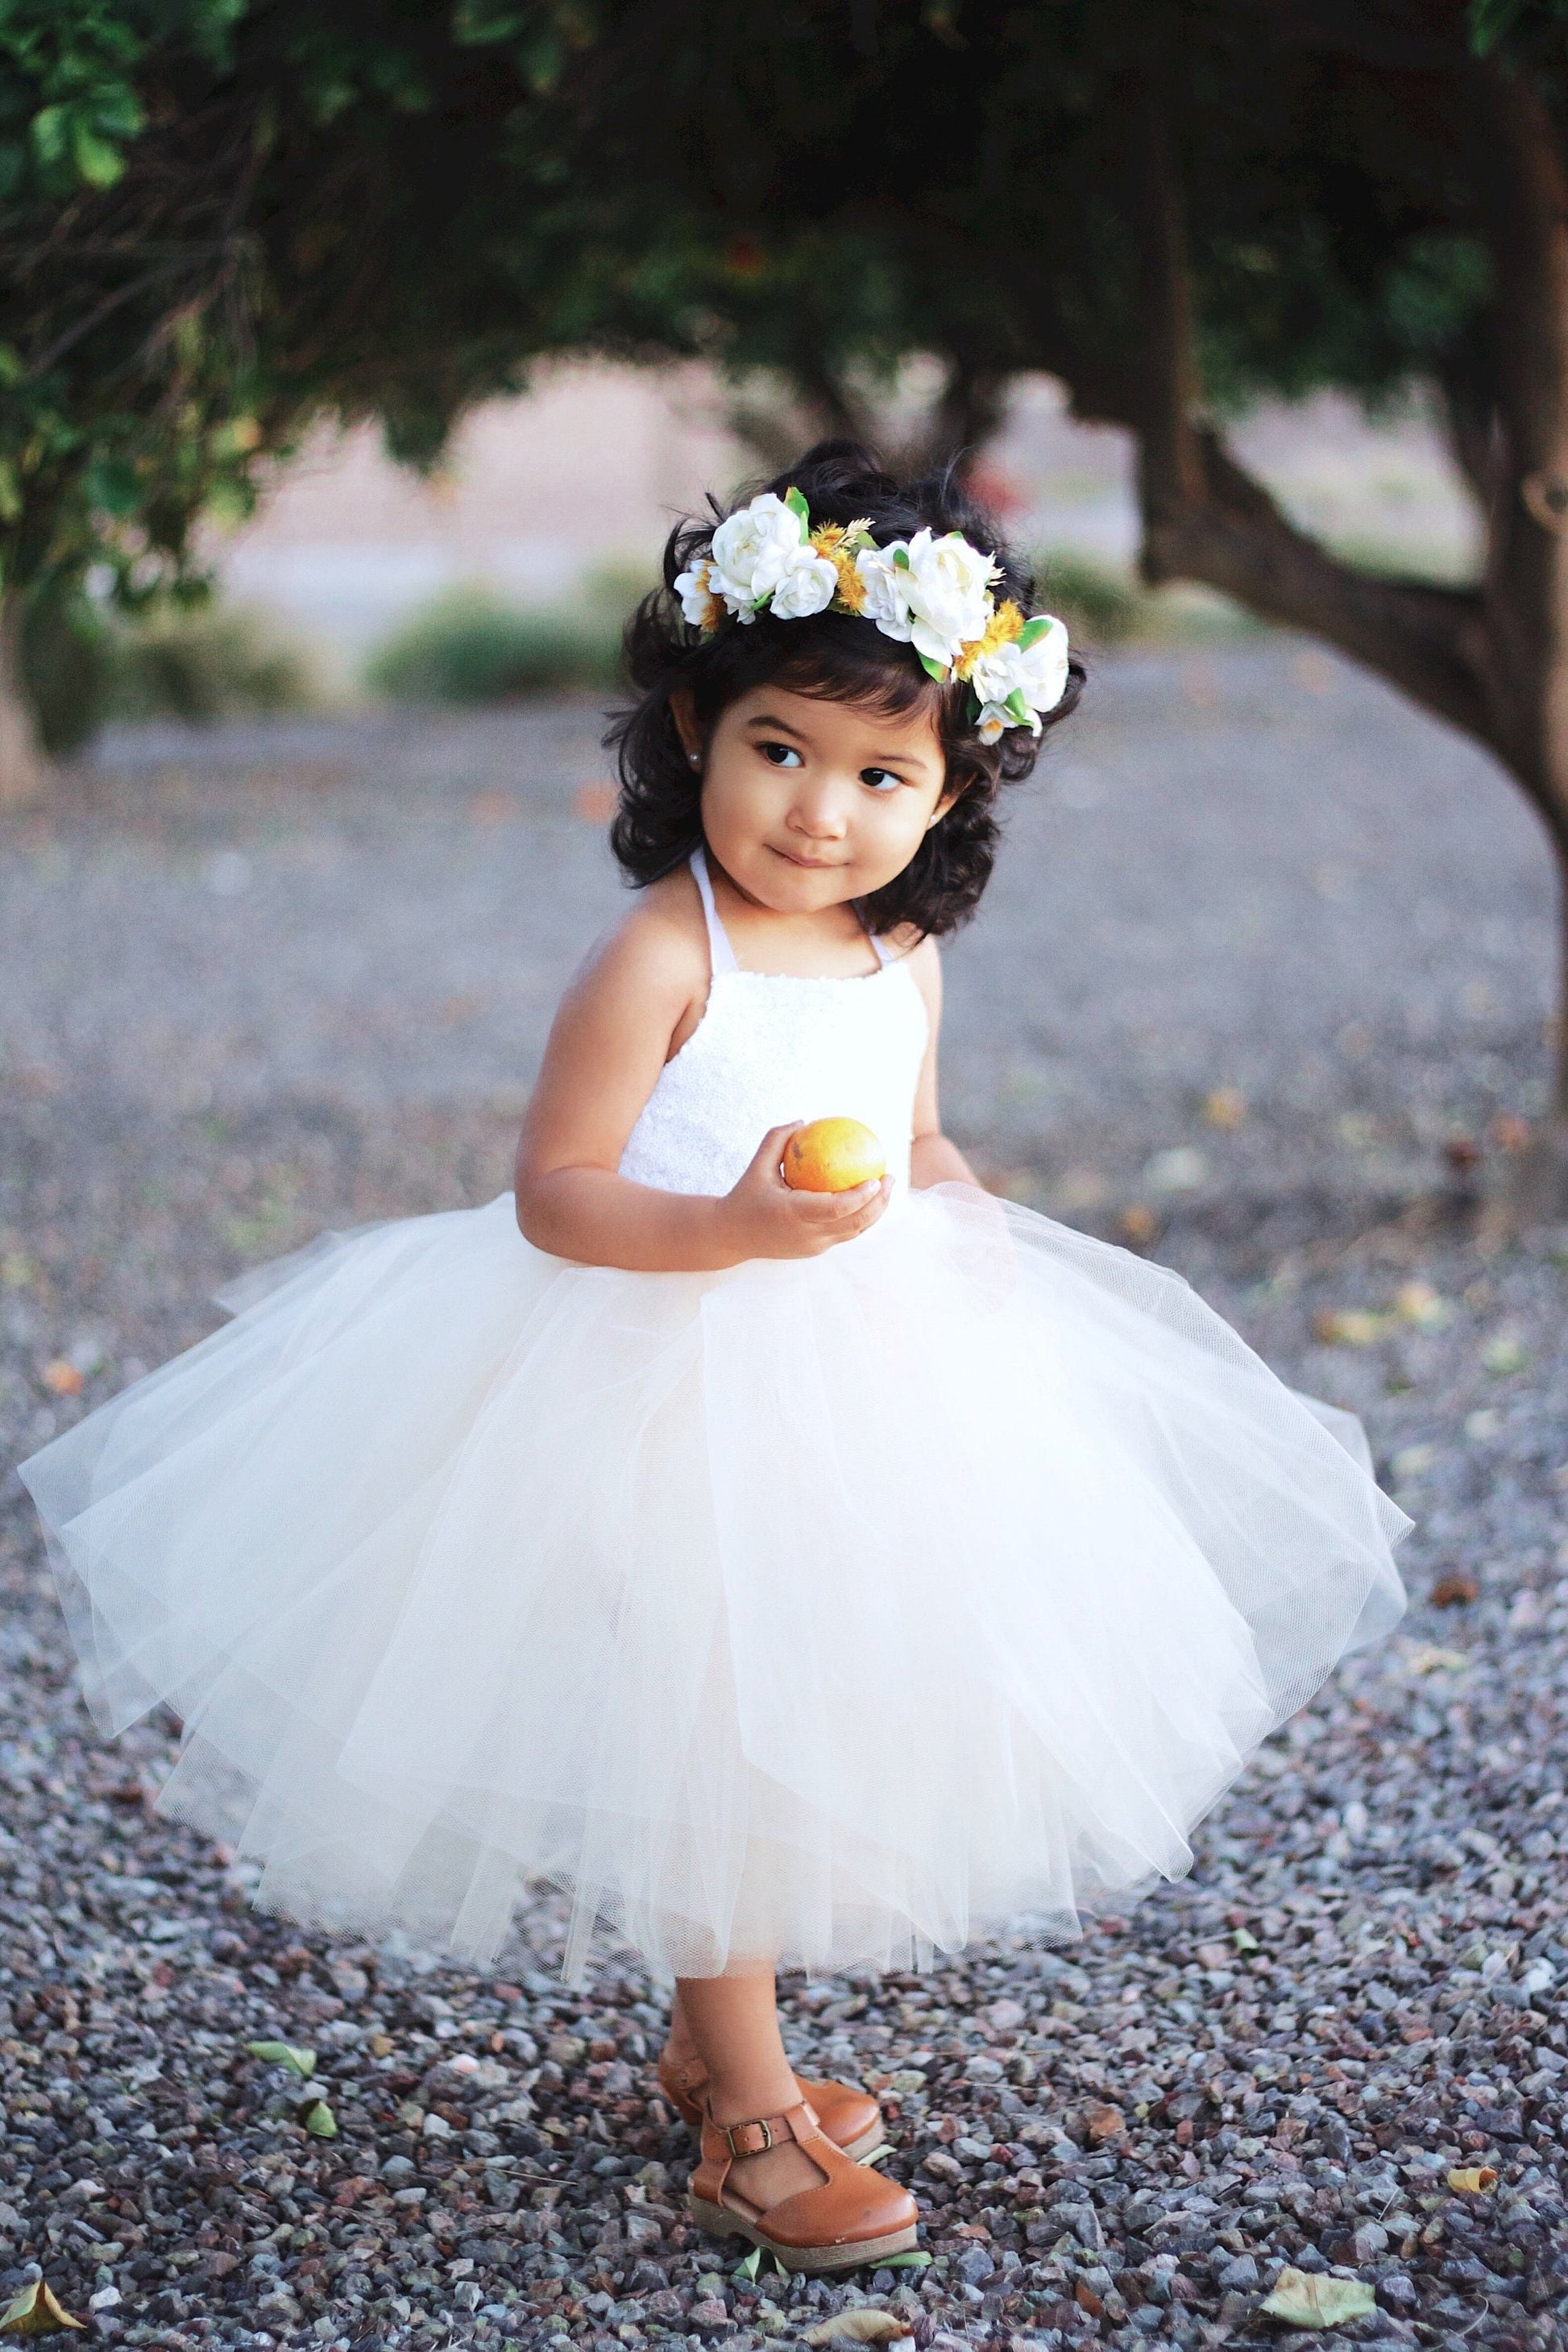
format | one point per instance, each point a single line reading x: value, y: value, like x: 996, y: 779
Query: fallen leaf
x: 1103, y: 2123
x: 318, y: 2119
x: 1086, y: 2300
x: 915, y: 2261
x: 861, y: 2326
x: 1244, y: 1940
x: 1226, y: 1107
x: 1425, y: 1658
x: 284, y: 2053
x: 62, y: 1379
x: 1347, y: 1326
x: 35, y: 2311
x: 1454, y: 1592
x: 1419, y: 1303
x: 751, y: 2265
x: 1304, y: 2299
x: 1506, y: 1353
x: 1473, y: 2180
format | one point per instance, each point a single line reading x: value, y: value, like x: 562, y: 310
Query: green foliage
x: 201, y: 663
x: 82, y: 666
x: 468, y: 646
x: 1100, y: 606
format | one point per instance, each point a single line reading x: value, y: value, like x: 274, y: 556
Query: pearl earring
x: 694, y: 758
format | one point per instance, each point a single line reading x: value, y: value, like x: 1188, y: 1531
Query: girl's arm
x: 640, y: 991
x: 934, y: 1158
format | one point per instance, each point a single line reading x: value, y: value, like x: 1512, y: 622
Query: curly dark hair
x: 837, y: 656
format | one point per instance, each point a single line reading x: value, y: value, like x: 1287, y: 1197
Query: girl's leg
x: 733, y: 2023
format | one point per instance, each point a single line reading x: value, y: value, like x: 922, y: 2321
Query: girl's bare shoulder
x: 658, y: 943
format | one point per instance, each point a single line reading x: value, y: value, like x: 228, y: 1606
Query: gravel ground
x: 1261, y: 990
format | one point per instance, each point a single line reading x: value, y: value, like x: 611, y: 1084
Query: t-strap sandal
x: 851, y: 2119
x: 853, y: 2218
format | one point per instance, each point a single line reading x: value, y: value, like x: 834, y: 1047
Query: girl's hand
x: 764, y: 1217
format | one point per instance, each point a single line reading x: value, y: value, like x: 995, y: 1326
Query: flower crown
x: 932, y: 593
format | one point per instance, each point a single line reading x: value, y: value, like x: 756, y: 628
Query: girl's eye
x: 881, y: 780
x: 781, y: 755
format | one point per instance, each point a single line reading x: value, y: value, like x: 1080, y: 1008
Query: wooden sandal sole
x: 816, y: 2261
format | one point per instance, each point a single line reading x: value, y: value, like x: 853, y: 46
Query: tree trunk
x: 1492, y: 660
x: 22, y: 767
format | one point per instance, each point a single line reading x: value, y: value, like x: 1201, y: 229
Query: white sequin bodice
x: 772, y: 1047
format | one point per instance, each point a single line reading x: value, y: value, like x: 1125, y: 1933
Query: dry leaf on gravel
x: 285, y: 2054
x: 1347, y: 1326
x: 1103, y: 2123
x: 1473, y: 2179
x: 36, y: 2312
x: 859, y: 2327
x: 1315, y: 2300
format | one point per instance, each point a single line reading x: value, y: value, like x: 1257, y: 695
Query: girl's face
x: 806, y: 803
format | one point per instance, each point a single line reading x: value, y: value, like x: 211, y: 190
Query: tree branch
x: 1205, y: 518
x: 1425, y: 639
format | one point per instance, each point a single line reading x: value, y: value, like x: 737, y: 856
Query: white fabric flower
x: 699, y: 597
x: 1037, y: 671
x: 752, y: 550
x: 809, y: 585
x: 884, y: 601
x: 992, y: 722
x: 938, y: 598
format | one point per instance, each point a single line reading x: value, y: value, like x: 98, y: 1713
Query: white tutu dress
x: 826, y: 1611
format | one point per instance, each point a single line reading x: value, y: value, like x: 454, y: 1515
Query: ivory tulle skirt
x: 826, y: 1611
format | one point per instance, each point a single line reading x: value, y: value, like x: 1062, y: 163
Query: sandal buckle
x: 762, y: 2125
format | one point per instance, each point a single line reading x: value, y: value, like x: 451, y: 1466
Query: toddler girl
x: 804, y: 1579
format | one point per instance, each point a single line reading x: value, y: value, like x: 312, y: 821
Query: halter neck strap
x: 720, y: 954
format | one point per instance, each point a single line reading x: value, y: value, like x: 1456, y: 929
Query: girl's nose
x: 819, y: 817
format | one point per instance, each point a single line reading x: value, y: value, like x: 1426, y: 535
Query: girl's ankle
x: 744, y: 2101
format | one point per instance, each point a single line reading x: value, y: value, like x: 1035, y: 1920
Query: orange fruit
x: 832, y: 1155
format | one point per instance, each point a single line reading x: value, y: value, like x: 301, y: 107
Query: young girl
x: 801, y: 1578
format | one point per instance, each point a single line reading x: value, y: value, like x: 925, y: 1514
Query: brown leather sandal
x: 851, y: 2119
x: 853, y: 2218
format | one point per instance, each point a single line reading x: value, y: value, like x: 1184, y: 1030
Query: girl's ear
x: 683, y: 712
x: 949, y: 794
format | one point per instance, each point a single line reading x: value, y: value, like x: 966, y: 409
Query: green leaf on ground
x: 284, y: 2053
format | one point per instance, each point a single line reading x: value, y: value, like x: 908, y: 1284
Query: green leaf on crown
x: 796, y: 504
x: 1033, y: 631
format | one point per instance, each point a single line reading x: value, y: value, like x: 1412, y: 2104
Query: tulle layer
x: 826, y: 1611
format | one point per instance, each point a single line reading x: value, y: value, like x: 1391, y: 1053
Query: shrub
x: 470, y: 646
x: 1100, y: 606
x: 82, y: 666
x: 203, y: 663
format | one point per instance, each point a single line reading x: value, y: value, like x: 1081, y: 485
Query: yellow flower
x: 836, y: 540
x: 1006, y: 622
